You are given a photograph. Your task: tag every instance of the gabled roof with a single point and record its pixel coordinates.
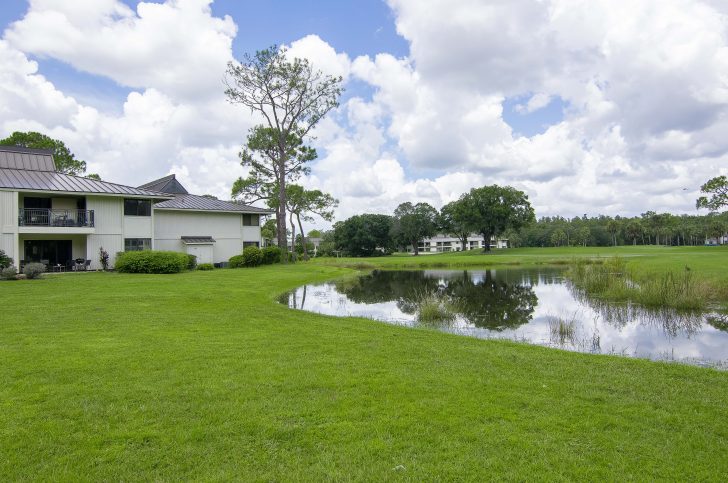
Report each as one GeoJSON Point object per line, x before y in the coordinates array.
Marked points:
{"type": "Point", "coordinates": [16, 157]}
{"type": "Point", "coordinates": [203, 203]}
{"type": "Point", "coordinates": [168, 184]}
{"type": "Point", "coordinates": [21, 179]}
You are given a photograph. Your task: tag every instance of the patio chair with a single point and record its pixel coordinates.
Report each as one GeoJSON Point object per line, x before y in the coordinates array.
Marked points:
{"type": "Point", "coordinates": [87, 265]}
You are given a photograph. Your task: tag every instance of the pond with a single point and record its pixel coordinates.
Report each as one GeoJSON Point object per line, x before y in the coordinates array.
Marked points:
{"type": "Point", "coordinates": [537, 306]}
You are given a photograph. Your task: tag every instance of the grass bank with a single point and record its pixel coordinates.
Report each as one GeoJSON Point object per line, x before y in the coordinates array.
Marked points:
{"type": "Point", "coordinates": [202, 375]}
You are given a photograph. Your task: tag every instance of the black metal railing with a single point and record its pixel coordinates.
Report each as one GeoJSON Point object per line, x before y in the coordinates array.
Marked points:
{"type": "Point", "coordinates": [61, 218]}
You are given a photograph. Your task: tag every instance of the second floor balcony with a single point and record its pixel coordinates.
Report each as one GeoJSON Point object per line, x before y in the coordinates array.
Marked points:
{"type": "Point", "coordinates": [43, 217]}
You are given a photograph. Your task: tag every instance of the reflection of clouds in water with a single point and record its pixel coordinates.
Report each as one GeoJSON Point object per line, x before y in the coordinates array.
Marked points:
{"type": "Point", "coordinates": [521, 305]}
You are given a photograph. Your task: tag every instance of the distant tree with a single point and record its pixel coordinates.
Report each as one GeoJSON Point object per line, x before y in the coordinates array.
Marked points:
{"type": "Point", "coordinates": [363, 235]}
{"type": "Point", "coordinates": [292, 98]}
{"type": "Point", "coordinates": [613, 227]}
{"type": "Point", "coordinates": [315, 233]}
{"type": "Point", "coordinates": [582, 236]}
{"type": "Point", "coordinates": [413, 223]}
{"type": "Point", "coordinates": [65, 160]}
{"type": "Point", "coordinates": [718, 189]}
{"type": "Point", "coordinates": [491, 210]}
{"type": "Point", "coordinates": [268, 230]}
{"type": "Point", "coordinates": [558, 238]}
{"type": "Point", "coordinates": [302, 203]}
{"type": "Point", "coordinates": [211, 197]}
{"type": "Point", "coordinates": [454, 221]}
{"type": "Point", "coordinates": [633, 230]}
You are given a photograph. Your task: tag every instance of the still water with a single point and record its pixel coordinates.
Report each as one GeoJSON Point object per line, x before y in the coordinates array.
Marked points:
{"type": "Point", "coordinates": [538, 306]}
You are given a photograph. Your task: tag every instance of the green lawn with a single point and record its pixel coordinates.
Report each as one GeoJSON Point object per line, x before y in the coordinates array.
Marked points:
{"type": "Point", "coordinates": [203, 376]}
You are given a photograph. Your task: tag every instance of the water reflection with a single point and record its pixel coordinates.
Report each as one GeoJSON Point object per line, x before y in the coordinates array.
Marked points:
{"type": "Point", "coordinates": [537, 306]}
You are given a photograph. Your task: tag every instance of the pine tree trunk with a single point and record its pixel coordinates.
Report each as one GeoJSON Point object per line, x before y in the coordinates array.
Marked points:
{"type": "Point", "coordinates": [303, 238]}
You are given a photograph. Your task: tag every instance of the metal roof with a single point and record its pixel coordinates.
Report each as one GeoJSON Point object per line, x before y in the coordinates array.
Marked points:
{"type": "Point", "coordinates": [168, 184]}
{"type": "Point", "coordinates": [203, 203]}
{"type": "Point", "coordinates": [16, 157]}
{"type": "Point", "coordinates": [21, 179]}
{"type": "Point", "coordinates": [197, 240]}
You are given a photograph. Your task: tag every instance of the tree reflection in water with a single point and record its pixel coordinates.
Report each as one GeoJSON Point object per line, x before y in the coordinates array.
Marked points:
{"type": "Point", "coordinates": [482, 299]}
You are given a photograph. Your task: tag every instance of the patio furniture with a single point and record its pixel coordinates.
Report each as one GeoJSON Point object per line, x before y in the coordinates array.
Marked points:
{"type": "Point", "coordinates": [59, 267]}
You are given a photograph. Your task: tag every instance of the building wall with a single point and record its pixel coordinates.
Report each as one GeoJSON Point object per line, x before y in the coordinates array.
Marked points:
{"type": "Point", "coordinates": [446, 243]}
{"type": "Point", "coordinates": [109, 228]}
{"type": "Point", "coordinates": [138, 227]}
{"type": "Point", "coordinates": [226, 228]}
{"type": "Point", "coordinates": [9, 224]}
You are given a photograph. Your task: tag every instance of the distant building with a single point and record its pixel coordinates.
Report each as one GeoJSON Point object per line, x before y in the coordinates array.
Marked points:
{"type": "Point", "coordinates": [447, 243]}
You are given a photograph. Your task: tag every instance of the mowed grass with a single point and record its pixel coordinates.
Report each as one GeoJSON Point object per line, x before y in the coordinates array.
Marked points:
{"type": "Point", "coordinates": [202, 375]}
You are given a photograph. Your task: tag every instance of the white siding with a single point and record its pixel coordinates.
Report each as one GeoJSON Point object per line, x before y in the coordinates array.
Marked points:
{"type": "Point", "coordinates": [9, 224]}
{"type": "Point", "coordinates": [109, 231]}
{"type": "Point", "coordinates": [226, 228]}
{"type": "Point", "coordinates": [138, 227]}
{"type": "Point", "coordinates": [251, 233]}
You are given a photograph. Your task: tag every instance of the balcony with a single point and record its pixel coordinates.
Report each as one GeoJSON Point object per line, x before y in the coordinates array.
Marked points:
{"type": "Point", "coordinates": [43, 217]}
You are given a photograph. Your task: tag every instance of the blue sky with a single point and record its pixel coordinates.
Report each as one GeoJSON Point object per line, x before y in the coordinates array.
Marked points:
{"type": "Point", "coordinates": [583, 110]}
{"type": "Point", "coordinates": [357, 27]}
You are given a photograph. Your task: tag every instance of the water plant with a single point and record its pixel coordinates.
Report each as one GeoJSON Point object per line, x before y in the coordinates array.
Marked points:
{"type": "Point", "coordinates": [562, 330]}
{"type": "Point", "coordinates": [433, 308]}
{"type": "Point", "coordinates": [613, 280]}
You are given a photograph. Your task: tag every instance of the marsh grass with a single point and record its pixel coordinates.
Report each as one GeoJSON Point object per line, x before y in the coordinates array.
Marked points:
{"type": "Point", "coordinates": [434, 309]}
{"type": "Point", "coordinates": [562, 330]}
{"type": "Point", "coordinates": [612, 279]}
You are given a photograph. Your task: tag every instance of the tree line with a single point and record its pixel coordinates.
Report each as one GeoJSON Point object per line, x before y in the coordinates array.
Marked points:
{"type": "Point", "coordinates": [490, 211]}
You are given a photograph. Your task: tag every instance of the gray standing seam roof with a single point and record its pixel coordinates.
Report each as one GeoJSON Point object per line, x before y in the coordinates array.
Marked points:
{"type": "Point", "coordinates": [202, 203]}
{"type": "Point", "coordinates": [168, 184]}
{"type": "Point", "coordinates": [15, 157]}
{"type": "Point", "coordinates": [22, 179]}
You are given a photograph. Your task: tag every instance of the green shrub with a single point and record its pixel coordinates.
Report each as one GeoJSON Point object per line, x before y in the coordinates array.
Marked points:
{"type": "Point", "coordinates": [191, 262]}
{"type": "Point", "coordinates": [252, 256]}
{"type": "Point", "coordinates": [205, 266]}
{"type": "Point", "coordinates": [34, 270]}
{"type": "Point", "coordinates": [271, 255]}
{"type": "Point", "coordinates": [5, 261]}
{"type": "Point", "coordinates": [236, 261]}
{"type": "Point", "coordinates": [152, 261]}
{"type": "Point", "coordinates": [8, 273]}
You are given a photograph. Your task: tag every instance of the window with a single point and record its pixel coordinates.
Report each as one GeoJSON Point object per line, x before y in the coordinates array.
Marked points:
{"type": "Point", "coordinates": [251, 220]}
{"type": "Point", "coordinates": [137, 244]}
{"type": "Point", "coordinates": [133, 207]}
{"type": "Point", "coordinates": [251, 244]}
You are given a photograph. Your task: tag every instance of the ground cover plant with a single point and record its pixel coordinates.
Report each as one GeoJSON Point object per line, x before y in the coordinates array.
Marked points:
{"type": "Point", "coordinates": [202, 375]}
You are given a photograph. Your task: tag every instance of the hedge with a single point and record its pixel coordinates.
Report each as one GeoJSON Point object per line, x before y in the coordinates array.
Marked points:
{"type": "Point", "coordinates": [151, 261]}
{"type": "Point", "coordinates": [271, 255]}
{"type": "Point", "coordinates": [252, 257]}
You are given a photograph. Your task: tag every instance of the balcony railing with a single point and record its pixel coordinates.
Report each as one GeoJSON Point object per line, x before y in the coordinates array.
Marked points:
{"type": "Point", "coordinates": [60, 218]}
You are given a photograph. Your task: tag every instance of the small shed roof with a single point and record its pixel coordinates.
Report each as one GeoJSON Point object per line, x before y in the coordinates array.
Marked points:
{"type": "Point", "coordinates": [198, 240]}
